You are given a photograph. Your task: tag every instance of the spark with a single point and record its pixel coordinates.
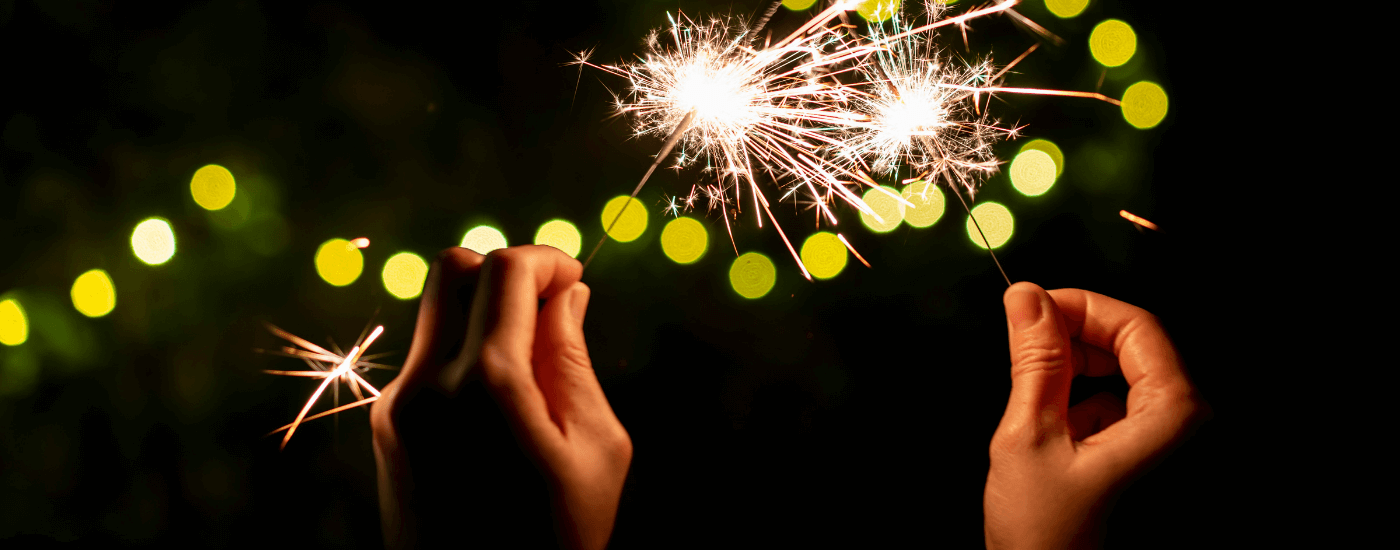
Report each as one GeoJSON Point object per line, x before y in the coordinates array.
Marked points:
{"type": "Point", "coordinates": [361, 242]}
{"type": "Point", "coordinates": [329, 366]}
{"type": "Point", "coordinates": [1139, 220]}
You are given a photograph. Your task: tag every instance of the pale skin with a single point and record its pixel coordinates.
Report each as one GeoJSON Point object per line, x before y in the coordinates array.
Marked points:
{"type": "Point", "coordinates": [1054, 468]}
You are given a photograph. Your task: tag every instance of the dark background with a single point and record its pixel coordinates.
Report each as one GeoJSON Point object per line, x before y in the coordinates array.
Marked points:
{"type": "Point", "coordinates": [856, 410]}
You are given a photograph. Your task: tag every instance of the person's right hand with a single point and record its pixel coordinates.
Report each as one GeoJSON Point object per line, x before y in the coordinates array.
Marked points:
{"type": "Point", "coordinates": [1055, 468]}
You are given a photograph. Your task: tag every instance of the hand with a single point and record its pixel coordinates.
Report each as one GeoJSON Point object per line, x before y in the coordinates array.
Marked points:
{"type": "Point", "coordinates": [497, 422]}
{"type": "Point", "coordinates": [1056, 468]}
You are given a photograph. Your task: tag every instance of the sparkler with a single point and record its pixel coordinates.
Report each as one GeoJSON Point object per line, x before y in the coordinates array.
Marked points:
{"type": "Point", "coordinates": [329, 366]}
{"type": "Point", "coordinates": [791, 110]}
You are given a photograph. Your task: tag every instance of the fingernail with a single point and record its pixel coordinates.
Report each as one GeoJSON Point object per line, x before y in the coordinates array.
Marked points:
{"type": "Point", "coordinates": [1023, 308]}
{"type": "Point", "coordinates": [578, 302]}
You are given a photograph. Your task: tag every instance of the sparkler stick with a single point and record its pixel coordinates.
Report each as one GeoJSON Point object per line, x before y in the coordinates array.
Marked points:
{"type": "Point", "coordinates": [665, 150]}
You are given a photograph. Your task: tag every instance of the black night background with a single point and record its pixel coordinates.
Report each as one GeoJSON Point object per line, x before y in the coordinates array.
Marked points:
{"type": "Point", "coordinates": [849, 412]}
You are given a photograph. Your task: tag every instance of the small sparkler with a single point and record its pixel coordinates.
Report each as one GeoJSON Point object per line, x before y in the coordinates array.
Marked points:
{"type": "Point", "coordinates": [329, 366]}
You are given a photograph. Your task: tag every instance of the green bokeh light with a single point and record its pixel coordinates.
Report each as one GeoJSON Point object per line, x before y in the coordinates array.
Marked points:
{"type": "Point", "coordinates": [338, 262]}
{"type": "Point", "coordinates": [1144, 105]}
{"type": "Point", "coordinates": [560, 234]}
{"type": "Point", "coordinates": [824, 255]}
{"type": "Point", "coordinates": [885, 204]}
{"type": "Point", "coordinates": [996, 222]}
{"type": "Point", "coordinates": [752, 275]}
{"type": "Point", "coordinates": [153, 241]}
{"type": "Point", "coordinates": [93, 293]}
{"type": "Point", "coordinates": [404, 274]}
{"type": "Point", "coordinates": [684, 240]}
{"type": "Point", "coordinates": [1112, 43]}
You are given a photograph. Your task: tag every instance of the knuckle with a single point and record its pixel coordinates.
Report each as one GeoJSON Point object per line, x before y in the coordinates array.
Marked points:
{"type": "Point", "coordinates": [496, 364]}
{"type": "Point", "coordinates": [1041, 356]}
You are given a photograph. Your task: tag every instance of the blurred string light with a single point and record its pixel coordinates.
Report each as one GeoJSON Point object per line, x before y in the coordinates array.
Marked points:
{"type": "Point", "coordinates": [927, 199]}
{"type": "Point", "coordinates": [338, 262]}
{"type": "Point", "coordinates": [876, 11]}
{"type": "Point", "coordinates": [1144, 105]}
{"type": "Point", "coordinates": [153, 241]}
{"type": "Point", "coordinates": [404, 274]}
{"type": "Point", "coordinates": [93, 293]}
{"type": "Point", "coordinates": [560, 234]}
{"type": "Point", "coordinates": [482, 239]}
{"type": "Point", "coordinates": [1112, 43]}
{"type": "Point", "coordinates": [1032, 172]}
{"type": "Point", "coordinates": [1049, 148]}
{"type": "Point", "coordinates": [996, 222]}
{"type": "Point", "coordinates": [684, 240]}
{"type": "Point", "coordinates": [212, 187]}
{"type": "Point", "coordinates": [883, 204]}
{"type": "Point", "coordinates": [1065, 9]}
{"type": "Point", "coordinates": [630, 225]}
{"type": "Point", "coordinates": [824, 255]}
{"type": "Point", "coordinates": [798, 5]}
{"type": "Point", "coordinates": [14, 325]}
{"type": "Point", "coordinates": [752, 275]}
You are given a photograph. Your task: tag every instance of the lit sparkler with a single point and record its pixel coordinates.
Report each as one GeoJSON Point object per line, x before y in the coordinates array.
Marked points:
{"type": "Point", "coordinates": [329, 366]}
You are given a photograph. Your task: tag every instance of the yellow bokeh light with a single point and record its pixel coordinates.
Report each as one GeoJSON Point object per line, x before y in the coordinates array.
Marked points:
{"type": "Point", "coordinates": [14, 326]}
{"type": "Point", "coordinates": [632, 223]}
{"type": "Point", "coordinates": [824, 255]}
{"type": "Point", "coordinates": [752, 275]}
{"type": "Point", "coordinates": [1066, 9]}
{"type": "Point", "coordinates": [684, 240]}
{"type": "Point", "coordinates": [798, 5]}
{"type": "Point", "coordinates": [93, 293]}
{"type": "Point", "coordinates": [212, 187]}
{"type": "Point", "coordinates": [996, 222]}
{"type": "Point", "coordinates": [153, 241]}
{"type": "Point", "coordinates": [560, 234]}
{"type": "Point", "coordinates": [1049, 148]}
{"type": "Point", "coordinates": [1033, 172]}
{"type": "Point", "coordinates": [482, 239]}
{"type": "Point", "coordinates": [885, 204]}
{"type": "Point", "coordinates": [875, 11]}
{"type": "Point", "coordinates": [1144, 105]}
{"type": "Point", "coordinates": [404, 274]}
{"type": "Point", "coordinates": [928, 203]}
{"type": "Point", "coordinates": [339, 262]}
{"type": "Point", "coordinates": [1112, 43]}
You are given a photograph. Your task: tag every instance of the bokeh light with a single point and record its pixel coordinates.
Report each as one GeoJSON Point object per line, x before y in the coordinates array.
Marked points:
{"type": "Point", "coordinates": [927, 199]}
{"type": "Point", "coordinates": [752, 275]}
{"type": "Point", "coordinates": [889, 208]}
{"type": "Point", "coordinates": [482, 239]}
{"type": "Point", "coordinates": [996, 222]}
{"type": "Point", "coordinates": [338, 262]}
{"type": "Point", "coordinates": [93, 293]}
{"type": "Point", "coordinates": [404, 274]}
{"type": "Point", "coordinates": [824, 255]}
{"type": "Point", "coordinates": [1066, 9]}
{"type": "Point", "coordinates": [14, 326]}
{"type": "Point", "coordinates": [1112, 43]}
{"type": "Point", "coordinates": [798, 5]}
{"type": "Point", "coordinates": [875, 11]}
{"type": "Point", "coordinates": [684, 240]}
{"type": "Point", "coordinates": [153, 241]}
{"type": "Point", "coordinates": [212, 187]}
{"type": "Point", "coordinates": [1144, 105]}
{"type": "Point", "coordinates": [560, 234]}
{"type": "Point", "coordinates": [1049, 148]}
{"type": "Point", "coordinates": [1032, 172]}
{"type": "Point", "coordinates": [632, 223]}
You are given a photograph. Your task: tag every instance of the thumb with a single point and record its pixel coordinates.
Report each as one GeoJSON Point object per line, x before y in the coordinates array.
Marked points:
{"type": "Point", "coordinates": [562, 366]}
{"type": "Point", "coordinates": [1041, 368]}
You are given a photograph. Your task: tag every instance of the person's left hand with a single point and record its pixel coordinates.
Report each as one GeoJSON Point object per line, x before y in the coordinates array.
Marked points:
{"type": "Point", "coordinates": [532, 364]}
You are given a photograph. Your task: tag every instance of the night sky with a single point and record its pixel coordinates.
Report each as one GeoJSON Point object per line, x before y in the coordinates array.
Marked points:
{"type": "Point", "coordinates": [852, 411]}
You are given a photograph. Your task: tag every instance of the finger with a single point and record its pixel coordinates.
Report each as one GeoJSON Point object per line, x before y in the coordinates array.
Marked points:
{"type": "Point", "coordinates": [501, 330]}
{"type": "Point", "coordinates": [442, 312]}
{"type": "Point", "coordinates": [1162, 403]}
{"type": "Point", "coordinates": [563, 369]}
{"type": "Point", "coordinates": [1041, 364]}
{"type": "Point", "coordinates": [1094, 415]}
